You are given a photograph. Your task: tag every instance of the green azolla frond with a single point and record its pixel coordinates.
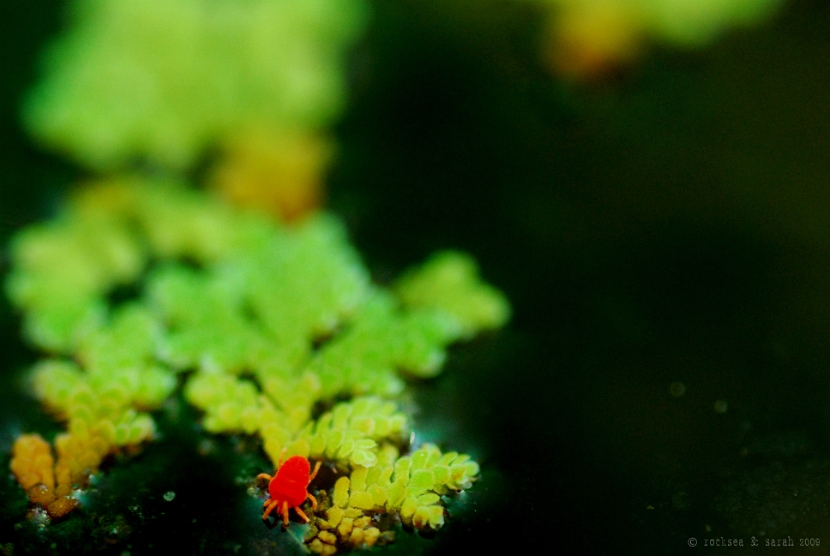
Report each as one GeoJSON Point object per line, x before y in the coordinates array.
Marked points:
{"type": "Point", "coordinates": [120, 358]}
{"type": "Point", "coordinates": [71, 256]}
{"type": "Point", "coordinates": [419, 341]}
{"type": "Point", "coordinates": [64, 386]}
{"type": "Point", "coordinates": [412, 487]}
{"type": "Point", "coordinates": [264, 304]}
{"type": "Point", "coordinates": [350, 432]}
{"type": "Point", "coordinates": [380, 340]}
{"type": "Point", "coordinates": [180, 222]}
{"type": "Point", "coordinates": [231, 404]}
{"type": "Point", "coordinates": [449, 282]}
{"type": "Point", "coordinates": [184, 295]}
{"type": "Point", "coordinates": [61, 267]}
{"type": "Point", "coordinates": [205, 324]}
{"type": "Point", "coordinates": [127, 340]}
{"type": "Point", "coordinates": [59, 326]}
{"type": "Point", "coordinates": [55, 381]}
{"type": "Point", "coordinates": [266, 294]}
{"type": "Point", "coordinates": [277, 432]}
{"type": "Point", "coordinates": [305, 281]}
{"type": "Point", "coordinates": [95, 408]}
{"type": "Point", "coordinates": [415, 484]}
{"type": "Point", "coordinates": [294, 395]}
{"type": "Point", "coordinates": [127, 427]}
{"type": "Point", "coordinates": [164, 79]}
{"type": "Point", "coordinates": [283, 287]}
{"type": "Point", "coordinates": [144, 385]}
{"type": "Point", "coordinates": [428, 470]}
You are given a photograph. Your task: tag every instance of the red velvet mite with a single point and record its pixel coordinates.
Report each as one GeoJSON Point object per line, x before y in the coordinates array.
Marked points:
{"type": "Point", "coordinates": [287, 488]}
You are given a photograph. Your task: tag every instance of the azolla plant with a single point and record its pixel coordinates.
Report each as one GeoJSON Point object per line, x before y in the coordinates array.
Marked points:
{"type": "Point", "coordinates": [589, 37]}
{"type": "Point", "coordinates": [257, 83]}
{"type": "Point", "coordinates": [263, 324]}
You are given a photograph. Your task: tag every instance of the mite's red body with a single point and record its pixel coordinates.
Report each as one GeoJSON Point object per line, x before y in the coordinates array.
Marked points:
{"type": "Point", "coordinates": [287, 488]}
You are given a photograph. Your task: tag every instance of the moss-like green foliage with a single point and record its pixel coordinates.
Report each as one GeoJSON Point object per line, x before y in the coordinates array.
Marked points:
{"type": "Point", "coordinates": [266, 323]}
{"type": "Point", "coordinates": [407, 484]}
{"type": "Point", "coordinates": [99, 405]}
{"type": "Point", "coordinates": [351, 431]}
{"type": "Point", "coordinates": [300, 285]}
{"type": "Point", "coordinates": [381, 339]}
{"type": "Point", "coordinates": [61, 267]}
{"type": "Point", "coordinates": [163, 79]}
{"type": "Point", "coordinates": [205, 328]}
{"type": "Point", "coordinates": [449, 282]}
{"type": "Point", "coordinates": [64, 268]}
{"type": "Point", "coordinates": [410, 487]}
{"type": "Point", "coordinates": [676, 21]}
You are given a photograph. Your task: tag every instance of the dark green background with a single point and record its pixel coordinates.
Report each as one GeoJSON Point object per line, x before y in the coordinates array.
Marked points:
{"type": "Point", "coordinates": [669, 224]}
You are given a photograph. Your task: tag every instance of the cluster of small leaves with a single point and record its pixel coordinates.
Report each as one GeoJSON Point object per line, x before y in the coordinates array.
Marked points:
{"type": "Point", "coordinates": [351, 432]}
{"type": "Point", "coordinates": [448, 282]}
{"type": "Point", "coordinates": [99, 410]}
{"type": "Point", "coordinates": [263, 299]}
{"type": "Point", "coordinates": [163, 79]}
{"type": "Point", "coordinates": [33, 466]}
{"type": "Point", "coordinates": [100, 400]}
{"type": "Point", "coordinates": [63, 271]}
{"type": "Point", "coordinates": [204, 328]}
{"type": "Point", "coordinates": [350, 528]}
{"type": "Point", "coordinates": [278, 172]}
{"type": "Point", "coordinates": [409, 487]}
{"type": "Point", "coordinates": [381, 340]}
{"type": "Point", "coordinates": [263, 305]}
{"type": "Point", "coordinates": [61, 268]}
{"type": "Point", "coordinates": [267, 320]}
{"type": "Point", "coordinates": [103, 404]}
{"type": "Point", "coordinates": [64, 268]}
{"type": "Point", "coordinates": [676, 21]}
{"type": "Point", "coordinates": [413, 485]}
{"type": "Point", "coordinates": [230, 404]}
{"type": "Point", "coordinates": [32, 462]}
{"type": "Point", "coordinates": [300, 285]}
{"type": "Point", "coordinates": [587, 38]}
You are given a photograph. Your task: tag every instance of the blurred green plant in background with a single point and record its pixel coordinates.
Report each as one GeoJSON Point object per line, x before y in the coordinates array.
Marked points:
{"type": "Point", "coordinates": [163, 82]}
{"type": "Point", "coordinates": [587, 37]}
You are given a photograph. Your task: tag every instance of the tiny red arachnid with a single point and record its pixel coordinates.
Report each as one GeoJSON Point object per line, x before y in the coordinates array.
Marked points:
{"type": "Point", "coordinates": [287, 488]}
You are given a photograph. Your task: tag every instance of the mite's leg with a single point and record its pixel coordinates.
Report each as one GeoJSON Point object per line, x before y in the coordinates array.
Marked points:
{"type": "Point", "coordinates": [313, 501]}
{"type": "Point", "coordinates": [271, 504]}
{"type": "Point", "coordinates": [302, 513]}
{"type": "Point", "coordinates": [314, 474]}
{"type": "Point", "coordinates": [285, 512]}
